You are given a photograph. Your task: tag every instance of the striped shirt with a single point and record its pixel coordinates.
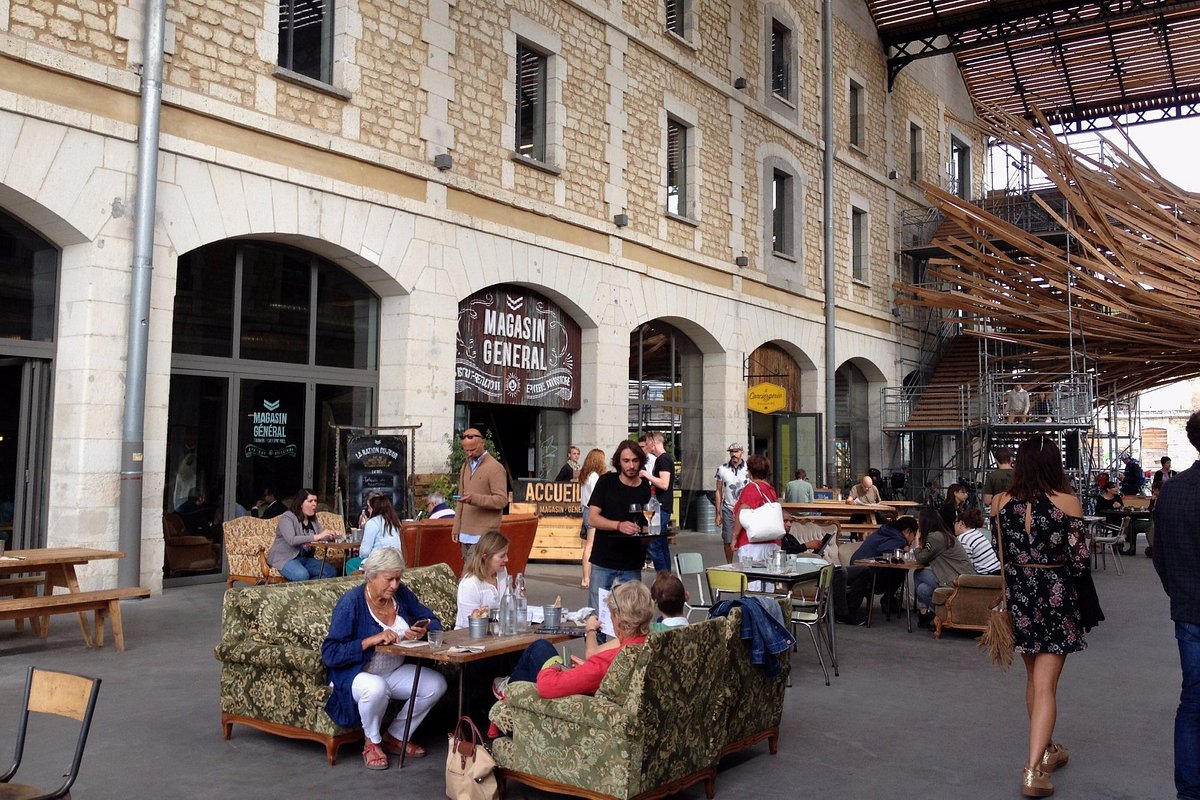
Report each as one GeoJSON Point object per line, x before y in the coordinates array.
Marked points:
{"type": "Point", "coordinates": [978, 545]}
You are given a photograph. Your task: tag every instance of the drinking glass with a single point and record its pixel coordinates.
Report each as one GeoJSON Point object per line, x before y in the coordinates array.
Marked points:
{"type": "Point", "coordinates": [435, 638]}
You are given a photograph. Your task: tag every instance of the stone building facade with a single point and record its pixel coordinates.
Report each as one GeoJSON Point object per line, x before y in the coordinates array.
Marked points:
{"type": "Point", "coordinates": [652, 169]}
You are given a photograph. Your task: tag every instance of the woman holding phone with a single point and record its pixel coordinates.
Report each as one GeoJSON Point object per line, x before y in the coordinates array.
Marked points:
{"type": "Point", "coordinates": [382, 610]}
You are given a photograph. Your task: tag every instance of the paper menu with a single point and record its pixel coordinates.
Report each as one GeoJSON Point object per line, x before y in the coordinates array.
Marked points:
{"type": "Point", "coordinates": [606, 624]}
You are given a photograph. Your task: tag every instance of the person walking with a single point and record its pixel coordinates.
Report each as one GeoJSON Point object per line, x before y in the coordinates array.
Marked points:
{"type": "Point", "coordinates": [1042, 537]}
{"type": "Point", "coordinates": [731, 479]}
{"type": "Point", "coordinates": [1176, 557]}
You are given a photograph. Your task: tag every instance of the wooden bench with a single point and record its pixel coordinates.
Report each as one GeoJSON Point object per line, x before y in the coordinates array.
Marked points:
{"type": "Point", "coordinates": [22, 588]}
{"type": "Point", "coordinates": [105, 602]}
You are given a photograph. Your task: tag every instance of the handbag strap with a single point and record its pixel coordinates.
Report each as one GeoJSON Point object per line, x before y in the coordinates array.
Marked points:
{"type": "Point", "coordinates": [472, 734]}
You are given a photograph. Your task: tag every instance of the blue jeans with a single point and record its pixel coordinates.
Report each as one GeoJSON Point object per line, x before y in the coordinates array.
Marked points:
{"type": "Point", "coordinates": [604, 578]}
{"type": "Point", "coordinates": [530, 665]}
{"type": "Point", "coordinates": [1187, 718]}
{"type": "Point", "coordinates": [658, 549]}
{"type": "Point", "coordinates": [303, 568]}
{"type": "Point", "coordinates": [925, 583]}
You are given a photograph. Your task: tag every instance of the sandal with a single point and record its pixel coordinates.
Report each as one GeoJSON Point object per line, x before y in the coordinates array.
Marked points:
{"type": "Point", "coordinates": [373, 756]}
{"type": "Point", "coordinates": [394, 746]}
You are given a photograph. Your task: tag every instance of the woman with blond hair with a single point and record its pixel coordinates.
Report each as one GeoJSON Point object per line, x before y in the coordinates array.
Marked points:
{"type": "Point", "coordinates": [594, 466]}
{"type": "Point", "coordinates": [485, 574]}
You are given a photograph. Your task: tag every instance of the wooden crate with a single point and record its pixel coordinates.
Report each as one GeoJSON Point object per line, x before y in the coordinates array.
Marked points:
{"type": "Point", "coordinates": [557, 536]}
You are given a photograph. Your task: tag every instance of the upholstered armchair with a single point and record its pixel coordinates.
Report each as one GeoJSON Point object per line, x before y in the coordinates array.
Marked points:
{"type": "Point", "coordinates": [186, 552]}
{"type": "Point", "coordinates": [247, 540]}
{"type": "Point", "coordinates": [754, 702]}
{"type": "Point", "coordinates": [656, 725]}
{"type": "Point", "coordinates": [965, 603]}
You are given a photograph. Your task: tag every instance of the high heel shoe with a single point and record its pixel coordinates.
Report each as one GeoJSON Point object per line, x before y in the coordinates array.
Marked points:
{"type": "Point", "coordinates": [1055, 756]}
{"type": "Point", "coordinates": [1034, 783]}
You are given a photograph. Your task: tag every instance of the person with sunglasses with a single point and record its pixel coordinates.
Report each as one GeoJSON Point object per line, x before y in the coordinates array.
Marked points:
{"type": "Point", "coordinates": [483, 490]}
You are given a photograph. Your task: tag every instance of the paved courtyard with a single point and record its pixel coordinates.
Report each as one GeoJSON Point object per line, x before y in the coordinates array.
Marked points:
{"type": "Point", "coordinates": [910, 717]}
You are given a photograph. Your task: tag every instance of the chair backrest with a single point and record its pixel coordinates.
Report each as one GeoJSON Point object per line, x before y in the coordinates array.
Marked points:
{"type": "Point", "coordinates": [693, 564]}
{"type": "Point", "coordinates": [824, 591]}
{"type": "Point", "coordinates": [331, 521]}
{"type": "Point", "coordinates": [245, 539]}
{"type": "Point", "coordinates": [62, 694]}
{"type": "Point", "coordinates": [173, 525]}
{"type": "Point", "coordinates": [725, 580]}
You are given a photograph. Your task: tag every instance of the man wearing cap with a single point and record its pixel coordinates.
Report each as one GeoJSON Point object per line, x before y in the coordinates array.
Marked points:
{"type": "Point", "coordinates": [731, 479]}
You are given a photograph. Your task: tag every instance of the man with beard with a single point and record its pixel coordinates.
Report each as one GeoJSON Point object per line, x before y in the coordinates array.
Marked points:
{"type": "Point", "coordinates": [615, 512]}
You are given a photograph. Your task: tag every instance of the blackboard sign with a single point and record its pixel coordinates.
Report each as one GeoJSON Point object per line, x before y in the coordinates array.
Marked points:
{"type": "Point", "coordinates": [376, 464]}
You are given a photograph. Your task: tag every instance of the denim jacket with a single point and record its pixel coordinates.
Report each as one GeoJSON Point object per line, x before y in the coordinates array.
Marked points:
{"type": "Point", "coordinates": [762, 627]}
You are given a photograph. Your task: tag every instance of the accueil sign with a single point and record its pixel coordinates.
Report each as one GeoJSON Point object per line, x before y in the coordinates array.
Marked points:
{"type": "Point", "coordinates": [517, 347]}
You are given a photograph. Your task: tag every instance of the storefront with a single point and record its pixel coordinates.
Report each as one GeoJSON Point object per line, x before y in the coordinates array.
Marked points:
{"type": "Point", "coordinates": [788, 437]}
{"type": "Point", "coordinates": [28, 298]}
{"type": "Point", "coordinates": [516, 376]}
{"type": "Point", "coordinates": [271, 347]}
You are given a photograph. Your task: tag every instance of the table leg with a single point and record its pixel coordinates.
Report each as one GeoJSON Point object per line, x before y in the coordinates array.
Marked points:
{"type": "Point", "coordinates": [64, 575]}
{"type": "Point", "coordinates": [462, 669]}
{"type": "Point", "coordinates": [910, 589]}
{"type": "Point", "coordinates": [408, 716]}
{"type": "Point", "coordinates": [871, 596]}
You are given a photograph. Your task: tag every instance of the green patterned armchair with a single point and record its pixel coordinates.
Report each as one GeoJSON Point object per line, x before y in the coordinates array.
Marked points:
{"type": "Point", "coordinates": [655, 726]}
{"type": "Point", "coordinates": [754, 707]}
{"type": "Point", "coordinates": [272, 676]}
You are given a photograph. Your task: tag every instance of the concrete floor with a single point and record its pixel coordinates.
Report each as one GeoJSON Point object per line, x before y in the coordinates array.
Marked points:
{"type": "Point", "coordinates": [910, 717]}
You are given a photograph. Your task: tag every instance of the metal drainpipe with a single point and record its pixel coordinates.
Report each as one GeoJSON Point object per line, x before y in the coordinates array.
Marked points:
{"type": "Point", "coordinates": [130, 532]}
{"type": "Point", "coordinates": [830, 272]}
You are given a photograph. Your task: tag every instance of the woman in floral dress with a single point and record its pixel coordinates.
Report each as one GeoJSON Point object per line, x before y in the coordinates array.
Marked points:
{"type": "Point", "coordinates": [1042, 536]}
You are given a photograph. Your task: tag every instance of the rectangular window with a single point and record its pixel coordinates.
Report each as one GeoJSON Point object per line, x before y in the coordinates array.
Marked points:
{"type": "Point", "coordinates": [306, 38]}
{"type": "Point", "coordinates": [781, 62]}
{"type": "Point", "coordinates": [916, 147]}
{"type": "Point", "coordinates": [677, 145]}
{"type": "Point", "coordinates": [856, 114]}
{"type": "Point", "coordinates": [531, 103]}
{"type": "Point", "coordinates": [676, 9]}
{"type": "Point", "coordinates": [960, 168]}
{"type": "Point", "coordinates": [858, 244]}
{"type": "Point", "coordinates": [781, 212]}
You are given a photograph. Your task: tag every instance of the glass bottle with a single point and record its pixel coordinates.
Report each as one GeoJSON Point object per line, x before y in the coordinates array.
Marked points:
{"type": "Point", "coordinates": [522, 602]}
{"type": "Point", "coordinates": [508, 611]}
{"type": "Point", "coordinates": [653, 518]}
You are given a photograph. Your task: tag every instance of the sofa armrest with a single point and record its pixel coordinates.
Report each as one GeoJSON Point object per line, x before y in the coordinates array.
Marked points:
{"type": "Point", "coordinates": [577, 710]}
{"type": "Point", "coordinates": [979, 582]}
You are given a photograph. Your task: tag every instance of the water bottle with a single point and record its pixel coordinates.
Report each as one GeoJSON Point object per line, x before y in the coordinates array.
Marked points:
{"type": "Point", "coordinates": [522, 602]}
{"type": "Point", "coordinates": [508, 612]}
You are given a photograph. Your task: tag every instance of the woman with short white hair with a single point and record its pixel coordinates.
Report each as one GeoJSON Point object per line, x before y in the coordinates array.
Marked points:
{"type": "Point", "coordinates": [381, 610]}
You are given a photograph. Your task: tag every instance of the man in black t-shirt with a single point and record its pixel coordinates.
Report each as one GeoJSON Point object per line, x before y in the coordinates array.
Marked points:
{"type": "Point", "coordinates": [615, 511]}
{"type": "Point", "coordinates": [661, 474]}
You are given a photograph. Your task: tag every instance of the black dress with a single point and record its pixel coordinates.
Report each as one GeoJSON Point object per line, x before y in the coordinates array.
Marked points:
{"type": "Point", "coordinates": [1043, 604]}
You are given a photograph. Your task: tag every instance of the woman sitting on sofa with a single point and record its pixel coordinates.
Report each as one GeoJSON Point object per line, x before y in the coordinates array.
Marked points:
{"type": "Point", "coordinates": [297, 528]}
{"type": "Point", "coordinates": [484, 576]}
{"type": "Point", "coordinates": [382, 610]}
{"type": "Point", "coordinates": [945, 558]}
{"type": "Point", "coordinates": [631, 608]}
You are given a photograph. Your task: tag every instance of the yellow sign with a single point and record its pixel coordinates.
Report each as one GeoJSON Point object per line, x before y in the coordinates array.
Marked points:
{"type": "Point", "coordinates": [766, 398]}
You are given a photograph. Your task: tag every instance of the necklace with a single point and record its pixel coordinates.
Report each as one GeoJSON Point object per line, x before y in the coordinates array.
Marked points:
{"type": "Point", "coordinates": [382, 605]}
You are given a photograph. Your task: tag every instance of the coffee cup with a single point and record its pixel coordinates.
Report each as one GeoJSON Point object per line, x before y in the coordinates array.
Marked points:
{"type": "Point", "coordinates": [552, 616]}
{"type": "Point", "coordinates": [478, 627]}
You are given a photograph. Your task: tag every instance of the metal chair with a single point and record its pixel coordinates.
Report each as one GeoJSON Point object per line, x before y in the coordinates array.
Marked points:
{"type": "Point", "coordinates": [693, 564]}
{"type": "Point", "coordinates": [818, 618]}
{"type": "Point", "coordinates": [1112, 539]}
{"type": "Point", "coordinates": [722, 581]}
{"type": "Point", "coordinates": [62, 694]}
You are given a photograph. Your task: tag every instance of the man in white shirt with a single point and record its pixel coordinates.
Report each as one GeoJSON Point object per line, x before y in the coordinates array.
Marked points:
{"type": "Point", "coordinates": [732, 477]}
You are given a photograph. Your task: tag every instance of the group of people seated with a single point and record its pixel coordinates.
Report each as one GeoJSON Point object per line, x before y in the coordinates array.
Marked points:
{"type": "Point", "coordinates": [383, 611]}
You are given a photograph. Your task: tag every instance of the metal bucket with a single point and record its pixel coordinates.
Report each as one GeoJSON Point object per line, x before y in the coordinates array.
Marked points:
{"type": "Point", "coordinates": [704, 514]}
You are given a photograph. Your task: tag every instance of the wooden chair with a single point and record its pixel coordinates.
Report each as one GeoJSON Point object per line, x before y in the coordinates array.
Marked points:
{"type": "Point", "coordinates": [64, 695]}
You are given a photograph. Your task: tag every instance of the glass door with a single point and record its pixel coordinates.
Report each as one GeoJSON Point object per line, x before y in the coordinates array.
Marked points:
{"type": "Point", "coordinates": [25, 393]}
{"type": "Point", "coordinates": [194, 489]}
{"type": "Point", "coordinates": [271, 434]}
{"type": "Point", "coordinates": [798, 440]}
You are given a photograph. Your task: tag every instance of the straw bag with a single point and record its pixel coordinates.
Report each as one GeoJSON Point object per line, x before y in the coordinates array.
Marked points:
{"type": "Point", "coordinates": [470, 767]}
{"type": "Point", "coordinates": [762, 524]}
{"type": "Point", "coordinates": [997, 639]}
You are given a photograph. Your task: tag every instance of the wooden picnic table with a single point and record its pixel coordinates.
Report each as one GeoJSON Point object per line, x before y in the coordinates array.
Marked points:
{"type": "Point", "coordinates": [838, 508]}
{"type": "Point", "coordinates": [58, 565]}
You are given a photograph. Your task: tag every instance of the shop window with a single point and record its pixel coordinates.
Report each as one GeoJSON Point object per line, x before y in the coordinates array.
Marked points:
{"type": "Point", "coordinates": [531, 102]}
{"type": "Point", "coordinates": [204, 289]}
{"type": "Point", "coordinates": [306, 38]}
{"type": "Point", "coordinates": [29, 265]}
{"type": "Point", "coordinates": [276, 288]}
{"type": "Point", "coordinates": [347, 319]}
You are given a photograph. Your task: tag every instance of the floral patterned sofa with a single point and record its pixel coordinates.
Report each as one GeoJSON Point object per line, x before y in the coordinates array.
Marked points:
{"type": "Point", "coordinates": [272, 676]}
{"type": "Point", "coordinates": [665, 713]}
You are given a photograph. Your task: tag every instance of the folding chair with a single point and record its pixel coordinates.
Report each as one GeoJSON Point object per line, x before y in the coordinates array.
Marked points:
{"type": "Point", "coordinates": [62, 694]}
{"type": "Point", "coordinates": [692, 564]}
{"type": "Point", "coordinates": [723, 580]}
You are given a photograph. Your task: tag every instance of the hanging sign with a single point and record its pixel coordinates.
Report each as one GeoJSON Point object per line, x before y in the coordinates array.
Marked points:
{"type": "Point", "coordinates": [766, 398]}
{"type": "Point", "coordinates": [516, 347]}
